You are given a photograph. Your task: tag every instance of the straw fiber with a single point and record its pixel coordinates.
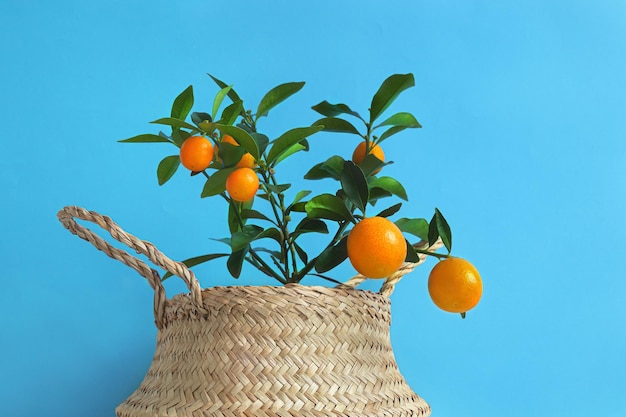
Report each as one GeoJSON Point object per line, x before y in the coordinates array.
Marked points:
{"type": "Point", "coordinates": [262, 351]}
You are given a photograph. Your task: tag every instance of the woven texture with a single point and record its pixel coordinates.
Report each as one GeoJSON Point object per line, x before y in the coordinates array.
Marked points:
{"type": "Point", "coordinates": [262, 351]}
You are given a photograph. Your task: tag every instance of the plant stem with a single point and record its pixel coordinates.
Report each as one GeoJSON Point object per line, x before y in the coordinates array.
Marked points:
{"type": "Point", "coordinates": [429, 253]}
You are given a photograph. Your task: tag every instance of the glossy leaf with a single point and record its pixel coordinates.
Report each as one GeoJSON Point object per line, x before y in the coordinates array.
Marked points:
{"type": "Point", "coordinates": [406, 120]}
{"type": "Point", "coordinates": [354, 184]}
{"type": "Point", "coordinates": [309, 225]}
{"type": "Point", "coordinates": [300, 195]}
{"type": "Point", "coordinates": [167, 168]}
{"type": "Point", "coordinates": [300, 146]}
{"type": "Point", "coordinates": [288, 139]}
{"type": "Point", "coordinates": [235, 219]}
{"type": "Point", "coordinates": [231, 112]}
{"type": "Point", "coordinates": [331, 110]}
{"type": "Point", "coordinates": [235, 262]}
{"type": "Point", "coordinates": [276, 96]}
{"type": "Point", "coordinates": [388, 92]}
{"type": "Point", "coordinates": [182, 104]}
{"type": "Point", "coordinates": [243, 238]}
{"type": "Point", "coordinates": [389, 184]}
{"type": "Point", "coordinates": [191, 262]}
{"type": "Point", "coordinates": [304, 257]}
{"type": "Point", "coordinates": [216, 183]}
{"type": "Point", "coordinates": [200, 117]}
{"type": "Point", "coordinates": [411, 254]}
{"type": "Point", "coordinates": [439, 227]}
{"type": "Point", "coordinates": [146, 138]}
{"type": "Point", "coordinates": [331, 168]}
{"type": "Point", "coordinates": [416, 227]}
{"type": "Point", "coordinates": [174, 123]}
{"type": "Point", "coordinates": [328, 206]}
{"type": "Point", "coordinates": [390, 211]}
{"type": "Point", "coordinates": [390, 132]}
{"type": "Point", "coordinates": [179, 136]}
{"type": "Point", "coordinates": [254, 214]}
{"type": "Point", "coordinates": [230, 154]}
{"type": "Point", "coordinates": [261, 140]}
{"type": "Point", "coordinates": [278, 188]}
{"type": "Point", "coordinates": [371, 164]}
{"type": "Point", "coordinates": [219, 98]}
{"type": "Point", "coordinates": [272, 233]}
{"type": "Point", "coordinates": [242, 137]}
{"type": "Point", "coordinates": [221, 84]}
{"type": "Point", "coordinates": [332, 256]}
{"type": "Point", "coordinates": [333, 124]}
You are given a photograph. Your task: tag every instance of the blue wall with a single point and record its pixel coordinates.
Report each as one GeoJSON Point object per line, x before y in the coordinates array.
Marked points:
{"type": "Point", "coordinates": [522, 148]}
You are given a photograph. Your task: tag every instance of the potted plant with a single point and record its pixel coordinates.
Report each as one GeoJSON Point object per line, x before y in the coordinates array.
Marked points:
{"type": "Point", "coordinates": [290, 349]}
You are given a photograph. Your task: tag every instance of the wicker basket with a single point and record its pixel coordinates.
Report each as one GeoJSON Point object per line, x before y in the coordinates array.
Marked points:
{"type": "Point", "coordinates": [262, 351]}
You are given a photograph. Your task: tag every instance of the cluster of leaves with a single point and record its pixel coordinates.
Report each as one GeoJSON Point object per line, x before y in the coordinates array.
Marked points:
{"type": "Point", "coordinates": [358, 186]}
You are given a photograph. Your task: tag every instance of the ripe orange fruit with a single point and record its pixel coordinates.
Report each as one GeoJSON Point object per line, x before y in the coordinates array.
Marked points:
{"type": "Point", "coordinates": [376, 247]}
{"type": "Point", "coordinates": [359, 154]}
{"type": "Point", "coordinates": [196, 153]}
{"type": "Point", "coordinates": [247, 160]}
{"type": "Point", "coordinates": [454, 285]}
{"type": "Point", "coordinates": [242, 184]}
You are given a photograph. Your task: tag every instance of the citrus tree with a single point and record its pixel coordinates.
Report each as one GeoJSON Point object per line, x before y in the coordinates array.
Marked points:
{"type": "Point", "coordinates": [266, 217]}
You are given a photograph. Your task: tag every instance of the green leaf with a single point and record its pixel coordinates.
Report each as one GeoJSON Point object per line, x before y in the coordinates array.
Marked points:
{"type": "Point", "coordinates": [231, 93]}
{"type": "Point", "coordinates": [146, 138]}
{"type": "Point", "coordinates": [309, 225]}
{"type": "Point", "coordinates": [278, 188]}
{"type": "Point", "coordinates": [254, 214]}
{"type": "Point", "coordinates": [304, 257]}
{"type": "Point", "coordinates": [219, 98]}
{"type": "Point", "coordinates": [378, 193]}
{"type": "Point", "coordinates": [331, 168]}
{"type": "Point", "coordinates": [390, 211]}
{"type": "Point", "coordinates": [276, 96]}
{"type": "Point", "coordinates": [174, 123]}
{"type": "Point", "coordinates": [331, 110]}
{"type": "Point", "coordinates": [332, 124]}
{"type": "Point", "coordinates": [328, 206]}
{"type": "Point", "coordinates": [388, 92]}
{"type": "Point", "coordinates": [411, 254]}
{"type": "Point", "coordinates": [261, 140]}
{"type": "Point", "coordinates": [231, 112]}
{"type": "Point", "coordinates": [389, 184]}
{"type": "Point", "coordinates": [191, 262]}
{"type": "Point", "coordinates": [371, 164]}
{"type": "Point", "coordinates": [272, 233]}
{"type": "Point", "coordinates": [167, 168]}
{"type": "Point", "coordinates": [243, 238]}
{"type": "Point", "coordinates": [300, 195]}
{"type": "Point", "coordinates": [406, 120]}
{"type": "Point", "coordinates": [230, 154]}
{"type": "Point", "coordinates": [354, 184]}
{"type": "Point", "coordinates": [439, 227]}
{"type": "Point", "coordinates": [235, 218]}
{"type": "Point", "coordinates": [300, 146]}
{"type": "Point", "coordinates": [179, 136]}
{"type": "Point", "coordinates": [332, 256]}
{"type": "Point", "coordinates": [288, 139]}
{"type": "Point", "coordinates": [200, 117]}
{"type": "Point", "coordinates": [390, 132]}
{"type": "Point", "coordinates": [182, 104]}
{"type": "Point", "coordinates": [416, 227]}
{"type": "Point", "coordinates": [299, 207]}
{"type": "Point", "coordinates": [216, 183]}
{"type": "Point", "coordinates": [235, 261]}
{"type": "Point", "coordinates": [242, 137]}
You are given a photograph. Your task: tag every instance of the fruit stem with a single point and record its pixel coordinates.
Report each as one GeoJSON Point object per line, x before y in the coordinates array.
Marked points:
{"type": "Point", "coordinates": [429, 253]}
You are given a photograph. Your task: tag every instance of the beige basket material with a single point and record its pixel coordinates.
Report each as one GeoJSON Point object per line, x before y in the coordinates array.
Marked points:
{"type": "Point", "coordinates": [276, 351]}
{"type": "Point", "coordinates": [263, 351]}
{"type": "Point", "coordinates": [68, 215]}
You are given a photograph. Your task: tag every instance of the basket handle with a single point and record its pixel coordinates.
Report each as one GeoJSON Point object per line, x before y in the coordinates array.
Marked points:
{"type": "Point", "coordinates": [67, 217]}
{"type": "Point", "coordinates": [407, 267]}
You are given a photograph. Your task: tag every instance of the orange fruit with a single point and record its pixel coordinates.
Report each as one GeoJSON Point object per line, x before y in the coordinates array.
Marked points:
{"type": "Point", "coordinates": [454, 285]}
{"type": "Point", "coordinates": [247, 160]}
{"type": "Point", "coordinates": [376, 247]}
{"type": "Point", "coordinates": [196, 153]}
{"type": "Point", "coordinates": [242, 184]}
{"type": "Point", "coordinates": [359, 154]}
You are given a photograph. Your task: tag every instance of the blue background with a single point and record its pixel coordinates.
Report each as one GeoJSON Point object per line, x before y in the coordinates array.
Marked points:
{"type": "Point", "coordinates": [522, 149]}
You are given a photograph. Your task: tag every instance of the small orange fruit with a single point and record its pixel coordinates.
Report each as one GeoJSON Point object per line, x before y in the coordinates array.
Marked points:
{"type": "Point", "coordinates": [196, 153]}
{"type": "Point", "coordinates": [247, 160]}
{"type": "Point", "coordinates": [242, 184]}
{"type": "Point", "coordinates": [455, 285]}
{"type": "Point", "coordinates": [359, 154]}
{"type": "Point", "coordinates": [376, 247]}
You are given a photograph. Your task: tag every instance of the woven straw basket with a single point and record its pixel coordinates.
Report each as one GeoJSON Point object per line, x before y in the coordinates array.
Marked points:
{"type": "Point", "coordinates": [262, 351]}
